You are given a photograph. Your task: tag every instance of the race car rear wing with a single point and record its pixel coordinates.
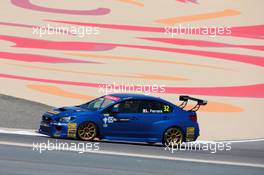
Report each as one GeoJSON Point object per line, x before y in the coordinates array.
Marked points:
{"type": "Point", "coordinates": [185, 99]}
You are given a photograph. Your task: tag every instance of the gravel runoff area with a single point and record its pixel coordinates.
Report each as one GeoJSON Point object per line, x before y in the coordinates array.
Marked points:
{"type": "Point", "coordinates": [20, 113]}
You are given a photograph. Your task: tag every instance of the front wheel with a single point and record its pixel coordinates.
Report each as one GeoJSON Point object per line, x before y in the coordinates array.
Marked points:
{"type": "Point", "coordinates": [87, 131]}
{"type": "Point", "coordinates": [173, 136]}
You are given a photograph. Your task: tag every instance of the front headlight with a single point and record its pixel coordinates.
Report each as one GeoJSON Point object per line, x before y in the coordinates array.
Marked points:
{"type": "Point", "coordinates": [67, 119]}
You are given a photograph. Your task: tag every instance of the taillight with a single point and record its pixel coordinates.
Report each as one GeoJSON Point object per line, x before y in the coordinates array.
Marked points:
{"type": "Point", "coordinates": [193, 117]}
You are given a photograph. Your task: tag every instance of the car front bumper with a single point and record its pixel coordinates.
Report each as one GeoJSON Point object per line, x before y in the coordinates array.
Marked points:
{"type": "Point", "coordinates": [58, 129]}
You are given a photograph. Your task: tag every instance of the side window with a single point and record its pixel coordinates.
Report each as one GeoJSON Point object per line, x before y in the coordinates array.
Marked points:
{"type": "Point", "coordinates": [128, 106]}
{"type": "Point", "coordinates": [154, 107]}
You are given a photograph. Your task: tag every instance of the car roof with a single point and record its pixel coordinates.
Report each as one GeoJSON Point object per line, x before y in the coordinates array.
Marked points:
{"type": "Point", "coordinates": [136, 96]}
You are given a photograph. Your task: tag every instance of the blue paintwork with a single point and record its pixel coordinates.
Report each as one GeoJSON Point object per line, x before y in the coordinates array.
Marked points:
{"type": "Point", "coordinates": [141, 127]}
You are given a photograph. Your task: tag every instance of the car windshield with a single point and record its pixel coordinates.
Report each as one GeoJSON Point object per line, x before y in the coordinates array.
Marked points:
{"type": "Point", "coordinates": [98, 103]}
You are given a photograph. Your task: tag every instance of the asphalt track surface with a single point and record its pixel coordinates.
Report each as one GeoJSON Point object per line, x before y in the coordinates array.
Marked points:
{"type": "Point", "coordinates": [17, 155]}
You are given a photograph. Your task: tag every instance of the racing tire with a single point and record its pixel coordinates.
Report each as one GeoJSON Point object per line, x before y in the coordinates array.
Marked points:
{"type": "Point", "coordinates": [172, 136]}
{"type": "Point", "coordinates": [87, 131]}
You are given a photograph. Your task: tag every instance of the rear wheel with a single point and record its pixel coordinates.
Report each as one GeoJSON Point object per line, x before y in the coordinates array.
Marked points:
{"type": "Point", "coordinates": [173, 136]}
{"type": "Point", "coordinates": [87, 131]}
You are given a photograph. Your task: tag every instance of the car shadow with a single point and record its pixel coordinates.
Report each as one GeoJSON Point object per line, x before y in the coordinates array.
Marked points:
{"type": "Point", "coordinates": [106, 141]}
{"type": "Point", "coordinates": [129, 143]}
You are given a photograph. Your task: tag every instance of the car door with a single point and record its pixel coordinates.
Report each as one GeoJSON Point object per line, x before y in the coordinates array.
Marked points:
{"type": "Point", "coordinates": [124, 121]}
{"type": "Point", "coordinates": [153, 115]}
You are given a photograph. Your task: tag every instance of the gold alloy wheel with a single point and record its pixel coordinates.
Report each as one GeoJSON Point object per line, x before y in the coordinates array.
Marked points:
{"type": "Point", "coordinates": [173, 136]}
{"type": "Point", "coordinates": [87, 131]}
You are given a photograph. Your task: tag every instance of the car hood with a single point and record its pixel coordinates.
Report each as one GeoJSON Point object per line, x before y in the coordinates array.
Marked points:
{"type": "Point", "coordinates": [68, 111]}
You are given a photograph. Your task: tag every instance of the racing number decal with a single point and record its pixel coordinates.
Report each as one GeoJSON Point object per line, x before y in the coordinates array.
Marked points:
{"type": "Point", "coordinates": [166, 108]}
{"type": "Point", "coordinates": [72, 127]}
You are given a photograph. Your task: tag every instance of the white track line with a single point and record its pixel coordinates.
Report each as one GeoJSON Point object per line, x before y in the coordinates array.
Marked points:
{"type": "Point", "coordinates": [20, 132]}
{"type": "Point", "coordinates": [242, 141]}
{"type": "Point", "coordinates": [34, 133]}
{"type": "Point", "coordinates": [228, 163]}
{"type": "Point", "coordinates": [31, 132]}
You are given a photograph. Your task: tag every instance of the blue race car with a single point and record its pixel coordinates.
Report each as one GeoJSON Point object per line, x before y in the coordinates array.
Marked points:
{"type": "Point", "coordinates": [128, 117]}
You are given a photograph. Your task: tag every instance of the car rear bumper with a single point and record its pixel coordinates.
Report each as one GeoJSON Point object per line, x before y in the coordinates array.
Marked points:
{"type": "Point", "coordinates": [192, 133]}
